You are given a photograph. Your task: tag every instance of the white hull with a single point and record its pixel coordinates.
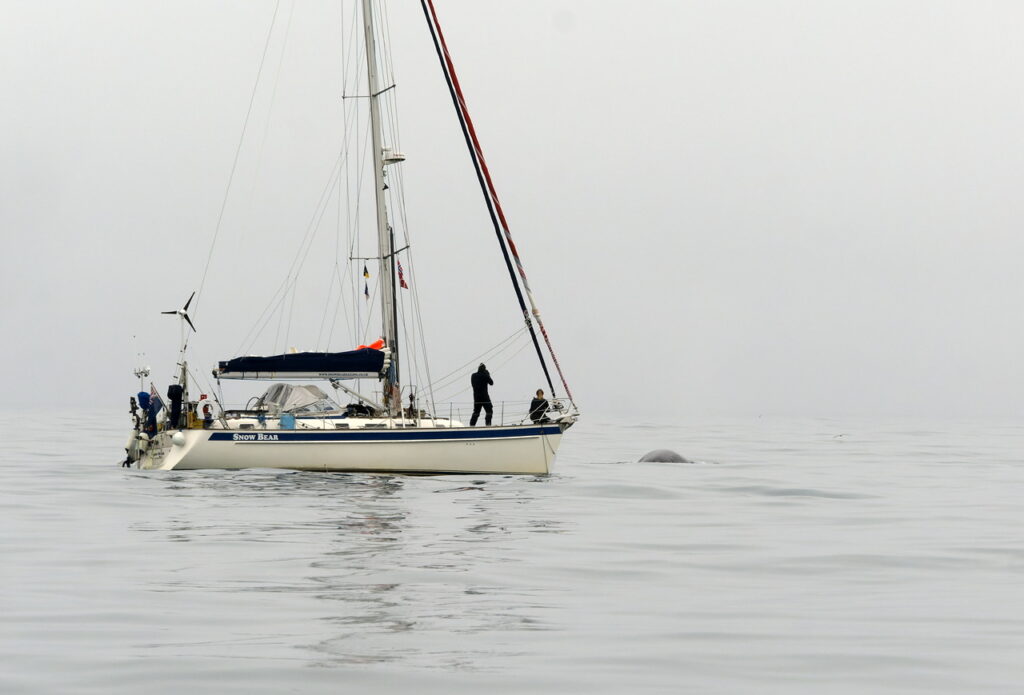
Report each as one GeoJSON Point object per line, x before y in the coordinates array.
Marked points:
{"type": "Point", "coordinates": [516, 449]}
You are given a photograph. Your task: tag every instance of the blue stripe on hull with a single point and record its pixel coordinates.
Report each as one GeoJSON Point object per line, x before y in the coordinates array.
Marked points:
{"type": "Point", "coordinates": [395, 435]}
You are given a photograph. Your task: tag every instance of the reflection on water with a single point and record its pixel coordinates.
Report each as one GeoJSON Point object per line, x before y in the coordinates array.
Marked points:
{"type": "Point", "coordinates": [884, 560]}
{"type": "Point", "coordinates": [391, 568]}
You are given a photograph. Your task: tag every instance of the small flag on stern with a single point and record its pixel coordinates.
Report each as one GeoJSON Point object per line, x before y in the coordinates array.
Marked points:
{"type": "Point", "coordinates": [401, 276]}
{"type": "Point", "coordinates": [366, 290]}
{"type": "Point", "coordinates": [366, 272]}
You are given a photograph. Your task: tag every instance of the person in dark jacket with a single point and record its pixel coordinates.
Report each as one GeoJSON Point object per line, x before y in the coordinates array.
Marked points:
{"type": "Point", "coordinates": [481, 399]}
{"type": "Point", "coordinates": [539, 408]}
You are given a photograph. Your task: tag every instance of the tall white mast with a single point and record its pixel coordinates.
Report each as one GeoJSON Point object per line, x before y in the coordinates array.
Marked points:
{"type": "Point", "coordinates": [384, 238]}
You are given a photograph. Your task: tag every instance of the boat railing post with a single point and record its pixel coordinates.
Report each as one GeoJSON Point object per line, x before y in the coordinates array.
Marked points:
{"type": "Point", "coordinates": [449, 414]}
{"type": "Point", "coordinates": [502, 419]}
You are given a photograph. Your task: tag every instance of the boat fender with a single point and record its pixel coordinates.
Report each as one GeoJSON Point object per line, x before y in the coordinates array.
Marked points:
{"type": "Point", "coordinates": [178, 439]}
{"type": "Point", "coordinates": [287, 421]}
{"type": "Point", "coordinates": [663, 456]}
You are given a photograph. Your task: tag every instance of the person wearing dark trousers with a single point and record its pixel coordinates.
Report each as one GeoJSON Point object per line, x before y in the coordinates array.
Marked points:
{"type": "Point", "coordinates": [481, 399]}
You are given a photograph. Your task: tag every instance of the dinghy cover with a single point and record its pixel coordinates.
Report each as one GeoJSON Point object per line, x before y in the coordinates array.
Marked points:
{"type": "Point", "coordinates": [354, 364]}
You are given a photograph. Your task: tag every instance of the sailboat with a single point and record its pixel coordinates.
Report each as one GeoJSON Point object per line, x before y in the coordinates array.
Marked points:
{"type": "Point", "coordinates": [296, 425]}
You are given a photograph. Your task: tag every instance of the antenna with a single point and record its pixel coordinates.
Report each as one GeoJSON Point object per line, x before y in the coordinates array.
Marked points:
{"type": "Point", "coordinates": [141, 373]}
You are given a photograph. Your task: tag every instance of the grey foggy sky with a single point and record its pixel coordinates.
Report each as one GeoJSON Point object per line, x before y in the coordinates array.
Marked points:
{"type": "Point", "coordinates": [725, 207]}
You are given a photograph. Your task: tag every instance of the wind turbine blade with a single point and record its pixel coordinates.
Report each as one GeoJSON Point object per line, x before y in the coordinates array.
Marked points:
{"type": "Point", "coordinates": [168, 312]}
{"type": "Point", "coordinates": [189, 322]}
{"type": "Point", "coordinates": [189, 302]}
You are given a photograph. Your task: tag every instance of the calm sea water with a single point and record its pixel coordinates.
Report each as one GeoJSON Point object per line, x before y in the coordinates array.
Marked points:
{"type": "Point", "coordinates": [796, 556]}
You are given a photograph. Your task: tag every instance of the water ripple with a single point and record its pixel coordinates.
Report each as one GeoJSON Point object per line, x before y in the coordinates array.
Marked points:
{"type": "Point", "coordinates": [814, 556]}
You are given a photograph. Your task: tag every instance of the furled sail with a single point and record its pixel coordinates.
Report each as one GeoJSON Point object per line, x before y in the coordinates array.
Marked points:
{"type": "Point", "coordinates": [354, 364]}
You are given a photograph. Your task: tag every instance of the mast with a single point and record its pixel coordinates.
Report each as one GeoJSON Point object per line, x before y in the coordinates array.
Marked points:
{"type": "Point", "coordinates": [385, 241]}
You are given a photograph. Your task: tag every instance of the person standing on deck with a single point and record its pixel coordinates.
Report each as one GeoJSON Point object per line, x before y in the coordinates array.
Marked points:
{"type": "Point", "coordinates": [481, 399]}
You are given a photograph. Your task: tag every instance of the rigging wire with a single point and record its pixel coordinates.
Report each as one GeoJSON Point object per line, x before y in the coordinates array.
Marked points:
{"type": "Point", "coordinates": [284, 299]}
{"type": "Point", "coordinates": [289, 283]}
{"type": "Point", "coordinates": [291, 311]}
{"type": "Point", "coordinates": [330, 295]}
{"type": "Point", "coordinates": [355, 211]}
{"type": "Point", "coordinates": [353, 251]}
{"type": "Point", "coordinates": [280, 320]}
{"type": "Point", "coordinates": [234, 164]}
{"type": "Point", "coordinates": [415, 343]}
{"type": "Point", "coordinates": [404, 307]}
{"type": "Point", "coordinates": [299, 255]}
{"type": "Point", "coordinates": [391, 101]}
{"type": "Point", "coordinates": [309, 246]}
{"type": "Point", "coordinates": [366, 329]}
{"type": "Point", "coordinates": [286, 294]}
{"type": "Point", "coordinates": [351, 214]}
{"type": "Point", "coordinates": [501, 364]}
{"type": "Point", "coordinates": [475, 154]}
{"type": "Point", "coordinates": [490, 195]}
{"type": "Point", "coordinates": [460, 371]}
{"type": "Point", "coordinates": [338, 300]}
{"type": "Point", "coordinates": [273, 98]}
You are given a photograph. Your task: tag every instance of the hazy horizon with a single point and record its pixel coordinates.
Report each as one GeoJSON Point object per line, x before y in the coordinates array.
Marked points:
{"type": "Point", "coordinates": [737, 208]}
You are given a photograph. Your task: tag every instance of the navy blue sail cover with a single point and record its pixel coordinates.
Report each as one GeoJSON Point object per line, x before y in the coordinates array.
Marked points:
{"type": "Point", "coordinates": [354, 364]}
